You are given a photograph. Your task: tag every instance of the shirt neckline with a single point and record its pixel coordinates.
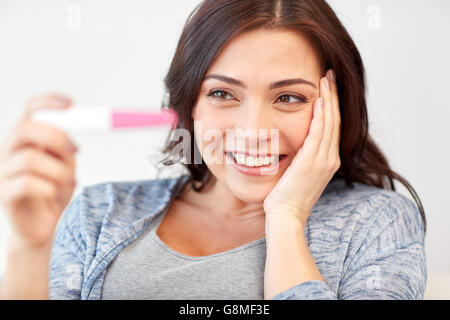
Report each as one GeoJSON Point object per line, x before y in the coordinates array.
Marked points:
{"type": "Point", "coordinates": [158, 240]}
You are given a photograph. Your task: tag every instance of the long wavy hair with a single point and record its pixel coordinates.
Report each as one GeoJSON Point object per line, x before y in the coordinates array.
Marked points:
{"type": "Point", "coordinates": [213, 23]}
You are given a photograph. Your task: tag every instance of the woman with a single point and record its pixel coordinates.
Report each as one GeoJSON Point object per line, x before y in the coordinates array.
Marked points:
{"type": "Point", "coordinates": [325, 221]}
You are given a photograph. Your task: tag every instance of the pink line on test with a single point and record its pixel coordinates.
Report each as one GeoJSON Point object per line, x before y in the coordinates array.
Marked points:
{"type": "Point", "coordinates": [122, 119]}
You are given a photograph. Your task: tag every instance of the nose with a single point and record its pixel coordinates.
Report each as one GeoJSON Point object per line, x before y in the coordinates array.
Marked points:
{"type": "Point", "coordinates": [253, 126]}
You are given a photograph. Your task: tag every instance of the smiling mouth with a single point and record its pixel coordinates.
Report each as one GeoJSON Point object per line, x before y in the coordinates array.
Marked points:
{"type": "Point", "coordinates": [255, 162]}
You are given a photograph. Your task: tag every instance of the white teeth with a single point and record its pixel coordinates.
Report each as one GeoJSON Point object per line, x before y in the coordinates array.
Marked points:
{"type": "Point", "coordinates": [254, 161]}
{"type": "Point", "coordinates": [241, 158]}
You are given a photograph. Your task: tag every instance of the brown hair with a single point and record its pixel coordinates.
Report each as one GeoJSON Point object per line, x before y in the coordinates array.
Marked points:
{"type": "Point", "coordinates": [213, 23]}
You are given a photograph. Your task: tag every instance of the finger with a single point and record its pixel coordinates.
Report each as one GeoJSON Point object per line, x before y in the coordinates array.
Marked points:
{"type": "Point", "coordinates": [27, 186]}
{"type": "Point", "coordinates": [325, 92]}
{"type": "Point", "coordinates": [43, 136]}
{"type": "Point", "coordinates": [40, 164]}
{"type": "Point", "coordinates": [334, 146]}
{"type": "Point", "coordinates": [46, 101]}
{"type": "Point", "coordinates": [312, 141]}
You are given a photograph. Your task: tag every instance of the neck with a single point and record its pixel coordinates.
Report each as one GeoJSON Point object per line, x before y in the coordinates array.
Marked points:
{"type": "Point", "coordinates": [218, 200]}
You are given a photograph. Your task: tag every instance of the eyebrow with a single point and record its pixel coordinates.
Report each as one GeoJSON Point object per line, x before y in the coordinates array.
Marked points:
{"type": "Point", "coordinates": [272, 85]}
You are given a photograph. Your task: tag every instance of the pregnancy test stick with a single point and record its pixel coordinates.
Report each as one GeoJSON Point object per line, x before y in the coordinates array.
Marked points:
{"type": "Point", "coordinates": [99, 118]}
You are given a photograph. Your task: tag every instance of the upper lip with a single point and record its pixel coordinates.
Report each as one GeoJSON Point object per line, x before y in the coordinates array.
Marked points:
{"type": "Point", "coordinates": [255, 154]}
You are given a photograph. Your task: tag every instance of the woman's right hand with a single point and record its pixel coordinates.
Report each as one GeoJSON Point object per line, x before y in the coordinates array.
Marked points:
{"type": "Point", "coordinates": [37, 175]}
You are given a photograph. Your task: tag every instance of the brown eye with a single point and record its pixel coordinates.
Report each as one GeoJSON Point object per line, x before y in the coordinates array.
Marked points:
{"type": "Point", "coordinates": [286, 99]}
{"type": "Point", "coordinates": [219, 94]}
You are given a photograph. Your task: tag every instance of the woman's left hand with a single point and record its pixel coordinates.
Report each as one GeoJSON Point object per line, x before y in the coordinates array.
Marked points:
{"type": "Point", "coordinates": [316, 161]}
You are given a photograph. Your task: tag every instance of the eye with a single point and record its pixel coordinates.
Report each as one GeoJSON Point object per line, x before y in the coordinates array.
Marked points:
{"type": "Point", "coordinates": [288, 96]}
{"type": "Point", "coordinates": [219, 94]}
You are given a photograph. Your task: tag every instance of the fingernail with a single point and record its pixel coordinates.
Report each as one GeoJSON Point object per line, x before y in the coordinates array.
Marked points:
{"type": "Point", "coordinates": [63, 100]}
{"type": "Point", "coordinates": [331, 75]}
{"type": "Point", "coordinates": [326, 82]}
{"type": "Point", "coordinates": [71, 147]}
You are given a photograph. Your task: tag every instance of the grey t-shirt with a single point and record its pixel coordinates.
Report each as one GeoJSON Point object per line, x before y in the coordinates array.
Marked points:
{"type": "Point", "coordinates": [149, 269]}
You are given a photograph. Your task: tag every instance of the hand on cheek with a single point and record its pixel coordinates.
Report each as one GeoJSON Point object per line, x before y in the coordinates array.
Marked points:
{"type": "Point", "coordinates": [315, 163]}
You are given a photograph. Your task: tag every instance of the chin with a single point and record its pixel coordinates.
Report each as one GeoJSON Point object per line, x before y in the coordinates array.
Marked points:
{"type": "Point", "coordinates": [250, 193]}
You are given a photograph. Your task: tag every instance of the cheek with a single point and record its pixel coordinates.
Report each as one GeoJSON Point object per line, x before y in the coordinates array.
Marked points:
{"type": "Point", "coordinates": [296, 130]}
{"type": "Point", "coordinates": [209, 131]}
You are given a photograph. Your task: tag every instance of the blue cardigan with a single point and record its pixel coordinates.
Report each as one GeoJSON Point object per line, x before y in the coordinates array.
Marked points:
{"type": "Point", "coordinates": [367, 242]}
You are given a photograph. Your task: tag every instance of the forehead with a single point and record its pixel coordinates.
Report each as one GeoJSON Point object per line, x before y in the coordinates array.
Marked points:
{"type": "Point", "coordinates": [274, 52]}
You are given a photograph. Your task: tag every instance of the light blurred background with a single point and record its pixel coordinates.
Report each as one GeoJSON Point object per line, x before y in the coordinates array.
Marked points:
{"type": "Point", "coordinates": [117, 53]}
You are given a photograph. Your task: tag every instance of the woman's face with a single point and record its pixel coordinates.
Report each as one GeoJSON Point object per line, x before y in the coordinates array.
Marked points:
{"type": "Point", "coordinates": [242, 108]}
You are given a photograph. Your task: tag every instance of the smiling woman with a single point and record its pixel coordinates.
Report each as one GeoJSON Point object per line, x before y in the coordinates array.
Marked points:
{"type": "Point", "coordinates": [317, 217]}
{"type": "Point", "coordinates": [262, 70]}
{"type": "Point", "coordinates": [324, 223]}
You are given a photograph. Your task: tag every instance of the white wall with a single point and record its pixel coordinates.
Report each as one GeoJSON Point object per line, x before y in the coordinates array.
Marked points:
{"type": "Point", "coordinates": [118, 52]}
